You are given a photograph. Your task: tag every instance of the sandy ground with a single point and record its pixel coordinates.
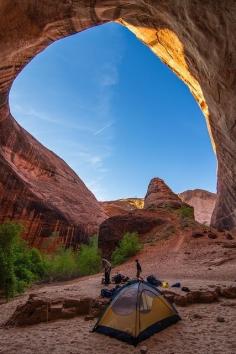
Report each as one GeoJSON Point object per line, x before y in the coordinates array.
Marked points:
{"type": "Point", "coordinates": [189, 261]}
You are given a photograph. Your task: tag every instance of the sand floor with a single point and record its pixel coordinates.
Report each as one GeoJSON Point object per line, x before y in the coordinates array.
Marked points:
{"type": "Point", "coordinates": [204, 335]}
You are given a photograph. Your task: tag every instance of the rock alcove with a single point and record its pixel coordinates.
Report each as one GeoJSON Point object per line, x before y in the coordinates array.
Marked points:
{"type": "Point", "coordinates": [195, 39]}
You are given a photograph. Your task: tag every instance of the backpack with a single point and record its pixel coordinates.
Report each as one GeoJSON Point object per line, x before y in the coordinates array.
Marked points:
{"type": "Point", "coordinates": [117, 278]}
{"type": "Point", "coordinates": [151, 279]}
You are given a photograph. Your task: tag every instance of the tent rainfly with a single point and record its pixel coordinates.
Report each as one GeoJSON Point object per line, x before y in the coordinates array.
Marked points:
{"type": "Point", "coordinates": [138, 311]}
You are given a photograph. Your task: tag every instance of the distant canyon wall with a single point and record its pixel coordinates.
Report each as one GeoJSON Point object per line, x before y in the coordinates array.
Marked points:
{"type": "Point", "coordinates": [159, 195]}
{"type": "Point", "coordinates": [203, 203]}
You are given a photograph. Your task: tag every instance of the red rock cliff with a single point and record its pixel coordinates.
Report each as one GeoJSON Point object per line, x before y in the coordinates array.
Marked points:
{"type": "Point", "coordinates": [40, 190]}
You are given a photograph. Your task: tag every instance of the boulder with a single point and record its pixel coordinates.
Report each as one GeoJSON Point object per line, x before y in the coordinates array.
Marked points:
{"type": "Point", "coordinates": [41, 309]}
{"type": "Point", "coordinates": [195, 297]}
{"type": "Point", "coordinates": [229, 245]}
{"type": "Point", "coordinates": [212, 235]}
{"type": "Point", "coordinates": [197, 234]}
{"type": "Point", "coordinates": [229, 236]}
{"type": "Point", "coordinates": [229, 293]}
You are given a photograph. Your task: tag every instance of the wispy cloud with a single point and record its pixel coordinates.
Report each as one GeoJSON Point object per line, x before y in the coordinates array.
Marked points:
{"type": "Point", "coordinates": [99, 131]}
{"type": "Point", "coordinates": [90, 158]}
{"type": "Point", "coordinates": [27, 111]}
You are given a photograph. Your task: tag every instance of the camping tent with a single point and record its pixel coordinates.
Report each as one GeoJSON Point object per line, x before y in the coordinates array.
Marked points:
{"type": "Point", "coordinates": [136, 312]}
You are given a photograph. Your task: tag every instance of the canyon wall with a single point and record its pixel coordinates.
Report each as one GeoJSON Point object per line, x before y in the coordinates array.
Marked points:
{"type": "Point", "coordinates": [203, 203]}
{"type": "Point", "coordinates": [196, 39]}
{"type": "Point", "coordinates": [41, 191]}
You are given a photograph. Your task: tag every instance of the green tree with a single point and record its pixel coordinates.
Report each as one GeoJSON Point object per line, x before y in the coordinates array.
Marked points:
{"type": "Point", "coordinates": [128, 247]}
{"type": "Point", "coordinates": [9, 234]}
{"type": "Point", "coordinates": [20, 265]}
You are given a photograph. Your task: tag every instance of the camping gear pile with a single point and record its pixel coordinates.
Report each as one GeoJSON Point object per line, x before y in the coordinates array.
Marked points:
{"type": "Point", "coordinates": [120, 278]}
{"type": "Point", "coordinates": [110, 293]}
{"type": "Point", "coordinates": [151, 279]}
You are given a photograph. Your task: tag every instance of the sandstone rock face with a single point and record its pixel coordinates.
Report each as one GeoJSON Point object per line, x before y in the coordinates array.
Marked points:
{"type": "Point", "coordinates": [122, 206]}
{"type": "Point", "coordinates": [203, 203]}
{"type": "Point", "coordinates": [196, 39]}
{"type": "Point", "coordinates": [160, 195]}
{"type": "Point", "coordinates": [40, 190]}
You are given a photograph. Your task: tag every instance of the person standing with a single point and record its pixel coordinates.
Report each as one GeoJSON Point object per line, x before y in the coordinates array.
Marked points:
{"type": "Point", "coordinates": [138, 268]}
{"type": "Point", "coordinates": [107, 270]}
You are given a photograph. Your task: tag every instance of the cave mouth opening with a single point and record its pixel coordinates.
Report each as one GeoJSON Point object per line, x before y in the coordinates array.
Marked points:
{"type": "Point", "coordinates": [91, 99]}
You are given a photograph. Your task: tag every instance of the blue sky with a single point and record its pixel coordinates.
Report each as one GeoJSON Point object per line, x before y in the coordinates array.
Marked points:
{"type": "Point", "coordinates": [106, 104]}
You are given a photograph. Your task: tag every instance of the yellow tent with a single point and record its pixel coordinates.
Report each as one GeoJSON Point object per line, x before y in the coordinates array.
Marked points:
{"type": "Point", "coordinates": [138, 311]}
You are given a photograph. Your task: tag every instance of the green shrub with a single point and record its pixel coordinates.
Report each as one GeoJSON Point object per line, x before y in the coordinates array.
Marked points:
{"type": "Point", "coordinates": [8, 235]}
{"type": "Point", "coordinates": [29, 266]}
{"type": "Point", "coordinates": [89, 258]}
{"type": "Point", "coordinates": [60, 265]}
{"type": "Point", "coordinates": [20, 266]}
{"type": "Point", "coordinates": [66, 263]}
{"type": "Point", "coordinates": [128, 247]}
{"type": "Point", "coordinates": [186, 212]}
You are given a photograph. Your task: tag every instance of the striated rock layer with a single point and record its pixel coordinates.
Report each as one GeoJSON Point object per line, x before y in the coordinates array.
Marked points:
{"type": "Point", "coordinates": [203, 203]}
{"type": "Point", "coordinates": [196, 39]}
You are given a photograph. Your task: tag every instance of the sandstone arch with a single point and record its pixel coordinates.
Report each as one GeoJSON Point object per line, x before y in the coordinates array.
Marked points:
{"type": "Point", "coordinates": [196, 39]}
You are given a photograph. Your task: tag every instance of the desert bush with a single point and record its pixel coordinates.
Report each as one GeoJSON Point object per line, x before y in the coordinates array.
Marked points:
{"type": "Point", "coordinates": [186, 212]}
{"type": "Point", "coordinates": [67, 263]}
{"type": "Point", "coordinates": [89, 258]}
{"type": "Point", "coordinates": [128, 247]}
{"type": "Point", "coordinates": [61, 265]}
